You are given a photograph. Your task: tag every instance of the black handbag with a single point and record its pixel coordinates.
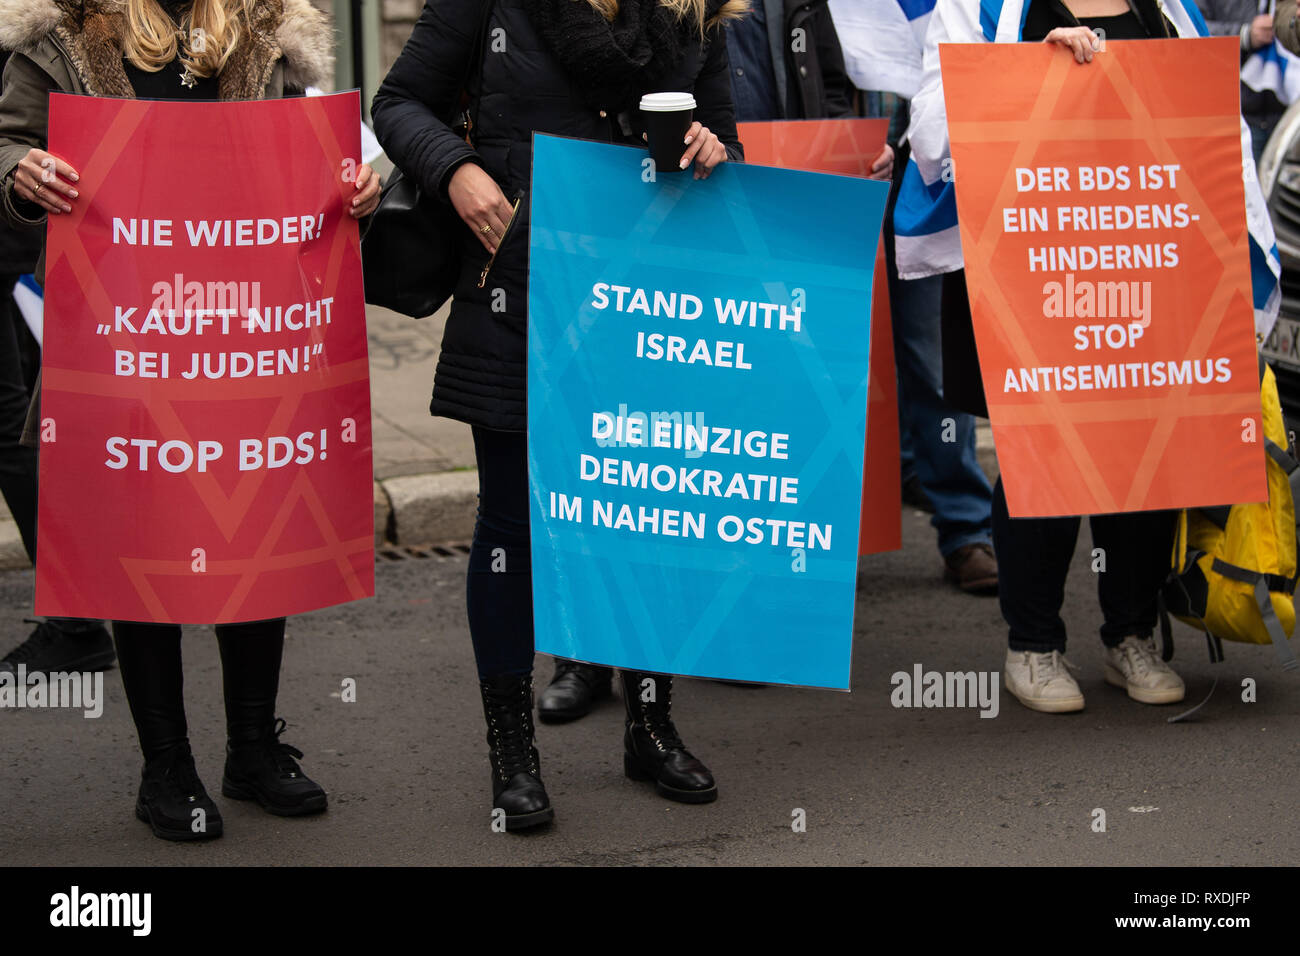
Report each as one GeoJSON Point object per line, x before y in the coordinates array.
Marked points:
{"type": "Point", "coordinates": [411, 250]}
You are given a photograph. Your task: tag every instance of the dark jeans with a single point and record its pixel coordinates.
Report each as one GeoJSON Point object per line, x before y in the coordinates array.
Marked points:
{"type": "Point", "coordinates": [499, 588]}
{"type": "Point", "coordinates": [17, 375]}
{"type": "Point", "coordinates": [936, 440]}
{"type": "Point", "coordinates": [149, 659]}
{"type": "Point", "coordinates": [1034, 558]}
{"type": "Point", "coordinates": [1261, 128]}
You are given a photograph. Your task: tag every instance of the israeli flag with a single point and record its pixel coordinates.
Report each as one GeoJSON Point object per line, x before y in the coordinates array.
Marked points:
{"type": "Point", "coordinates": [1273, 69]}
{"type": "Point", "coordinates": [925, 219]}
{"type": "Point", "coordinates": [883, 41]}
{"type": "Point", "coordinates": [30, 300]}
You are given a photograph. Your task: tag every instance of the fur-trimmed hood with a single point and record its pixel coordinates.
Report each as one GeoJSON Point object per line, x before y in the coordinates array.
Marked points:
{"type": "Point", "coordinates": [90, 35]}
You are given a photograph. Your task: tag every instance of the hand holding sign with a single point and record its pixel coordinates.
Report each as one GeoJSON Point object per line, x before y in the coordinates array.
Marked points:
{"type": "Point", "coordinates": [1103, 228]}
{"type": "Point", "coordinates": [205, 364]}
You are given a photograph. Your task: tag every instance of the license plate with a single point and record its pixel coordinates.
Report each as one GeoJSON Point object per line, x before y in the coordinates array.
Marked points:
{"type": "Point", "coordinates": [1283, 344]}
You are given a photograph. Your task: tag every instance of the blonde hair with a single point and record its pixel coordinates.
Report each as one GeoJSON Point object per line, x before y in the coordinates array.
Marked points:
{"type": "Point", "coordinates": [690, 10]}
{"type": "Point", "coordinates": [208, 33]}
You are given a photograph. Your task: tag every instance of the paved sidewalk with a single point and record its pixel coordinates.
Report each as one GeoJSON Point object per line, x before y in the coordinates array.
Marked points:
{"type": "Point", "coordinates": [406, 765]}
{"type": "Point", "coordinates": [425, 482]}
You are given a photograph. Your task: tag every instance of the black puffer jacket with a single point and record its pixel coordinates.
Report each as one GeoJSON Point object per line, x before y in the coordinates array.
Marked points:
{"type": "Point", "coordinates": [521, 89]}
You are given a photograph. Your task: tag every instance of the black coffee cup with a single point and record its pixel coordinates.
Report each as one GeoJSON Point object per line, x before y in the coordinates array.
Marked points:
{"type": "Point", "coordinates": [667, 118]}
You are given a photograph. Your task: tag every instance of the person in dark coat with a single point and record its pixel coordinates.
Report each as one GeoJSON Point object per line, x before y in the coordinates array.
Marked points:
{"type": "Point", "coordinates": [147, 49]}
{"type": "Point", "coordinates": [810, 83]}
{"type": "Point", "coordinates": [56, 644]}
{"type": "Point", "coordinates": [572, 68]}
{"type": "Point", "coordinates": [786, 63]}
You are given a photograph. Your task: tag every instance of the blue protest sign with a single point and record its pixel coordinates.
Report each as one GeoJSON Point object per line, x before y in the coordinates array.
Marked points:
{"type": "Point", "coordinates": [697, 394]}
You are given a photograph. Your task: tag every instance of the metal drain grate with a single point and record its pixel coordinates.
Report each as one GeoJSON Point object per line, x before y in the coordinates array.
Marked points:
{"type": "Point", "coordinates": [410, 553]}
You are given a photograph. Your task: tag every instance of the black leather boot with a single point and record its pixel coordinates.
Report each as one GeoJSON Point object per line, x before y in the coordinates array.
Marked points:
{"type": "Point", "coordinates": [652, 748]}
{"type": "Point", "coordinates": [516, 770]}
{"type": "Point", "coordinates": [265, 770]}
{"type": "Point", "coordinates": [170, 793]}
{"type": "Point", "coordinates": [573, 691]}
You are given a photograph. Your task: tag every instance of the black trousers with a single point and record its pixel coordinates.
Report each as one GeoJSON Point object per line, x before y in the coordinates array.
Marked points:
{"type": "Point", "coordinates": [1034, 558]}
{"type": "Point", "coordinates": [499, 588]}
{"type": "Point", "coordinates": [18, 465]}
{"type": "Point", "coordinates": [19, 362]}
{"type": "Point", "coordinates": [149, 658]}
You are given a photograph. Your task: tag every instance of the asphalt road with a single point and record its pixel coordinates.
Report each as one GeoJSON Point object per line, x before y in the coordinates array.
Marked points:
{"type": "Point", "coordinates": [406, 766]}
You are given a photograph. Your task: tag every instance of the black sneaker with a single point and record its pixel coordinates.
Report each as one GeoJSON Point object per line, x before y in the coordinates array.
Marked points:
{"type": "Point", "coordinates": [173, 800]}
{"type": "Point", "coordinates": [265, 770]}
{"type": "Point", "coordinates": [53, 648]}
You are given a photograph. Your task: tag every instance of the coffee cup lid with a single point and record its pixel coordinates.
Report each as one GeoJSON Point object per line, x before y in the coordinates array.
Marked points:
{"type": "Point", "coordinates": [667, 102]}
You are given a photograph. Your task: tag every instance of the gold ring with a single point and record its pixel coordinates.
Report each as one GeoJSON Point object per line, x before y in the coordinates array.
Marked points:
{"type": "Point", "coordinates": [486, 229]}
{"type": "Point", "coordinates": [39, 187]}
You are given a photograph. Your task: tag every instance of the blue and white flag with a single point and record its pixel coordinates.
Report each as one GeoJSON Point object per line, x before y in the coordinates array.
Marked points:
{"type": "Point", "coordinates": [1273, 69]}
{"type": "Point", "coordinates": [30, 300]}
{"type": "Point", "coordinates": [883, 41]}
{"type": "Point", "coordinates": [925, 220]}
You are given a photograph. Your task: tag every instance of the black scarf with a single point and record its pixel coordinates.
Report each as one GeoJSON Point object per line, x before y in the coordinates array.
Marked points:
{"type": "Point", "coordinates": [613, 63]}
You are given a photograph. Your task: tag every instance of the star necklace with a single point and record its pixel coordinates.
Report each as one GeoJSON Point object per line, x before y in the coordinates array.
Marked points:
{"type": "Point", "coordinates": [188, 79]}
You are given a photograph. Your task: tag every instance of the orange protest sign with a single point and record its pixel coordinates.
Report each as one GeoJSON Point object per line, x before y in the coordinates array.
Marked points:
{"type": "Point", "coordinates": [1103, 228]}
{"type": "Point", "coordinates": [849, 147]}
{"type": "Point", "coordinates": [844, 146]}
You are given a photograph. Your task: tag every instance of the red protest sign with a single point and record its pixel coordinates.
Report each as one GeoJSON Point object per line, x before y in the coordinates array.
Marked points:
{"type": "Point", "coordinates": [1103, 228]}
{"type": "Point", "coordinates": [205, 412]}
{"type": "Point", "coordinates": [849, 147]}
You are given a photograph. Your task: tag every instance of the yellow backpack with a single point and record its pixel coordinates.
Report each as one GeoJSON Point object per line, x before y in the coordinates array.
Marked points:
{"type": "Point", "coordinates": [1234, 567]}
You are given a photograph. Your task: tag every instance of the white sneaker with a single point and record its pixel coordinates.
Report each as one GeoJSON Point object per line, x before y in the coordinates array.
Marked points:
{"type": "Point", "coordinates": [1042, 682]}
{"type": "Point", "coordinates": [1136, 666]}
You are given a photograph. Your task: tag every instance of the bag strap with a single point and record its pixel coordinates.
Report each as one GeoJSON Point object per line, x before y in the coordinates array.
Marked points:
{"type": "Point", "coordinates": [1274, 582]}
{"type": "Point", "coordinates": [1166, 629]}
{"type": "Point", "coordinates": [1292, 469]}
{"type": "Point", "coordinates": [1166, 632]}
{"type": "Point", "coordinates": [1285, 655]}
{"type": "Point", "coordinates": [1167, 636]}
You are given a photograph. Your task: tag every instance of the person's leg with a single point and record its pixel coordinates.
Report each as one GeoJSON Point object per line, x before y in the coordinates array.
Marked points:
{"type": "Point", "coordinates": [172, 799]}
{"type": "Point", "coordinates": [1034, 558]}
{"type": "Point", "coordinates": [499, 586]}
{"type": "Point", "coordinates": [57, 644]}
{"type": "Point", "coordinates": [499, 599]}
{"type": "Point", "coordinates": [1137, 550]}
{"type": "Point", "coordinates": [914, 495]}
{"type": "Point", "coordinates": [250, 670]}
{"type": "Point", "coordinates": [17, 464]}
{"type": "Point", "coordinates": [149, 657]}
{"type": "Point", "coordinates": [653, 749]}
{"type": "Point", "coordinates": [942, 438]}
{"type": "Point", "coordinates": [1133, 553]}
{"type": "Point", "coordinates": [259, 766]}
{"type": "Point", "coordinates": [1033, 561]}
